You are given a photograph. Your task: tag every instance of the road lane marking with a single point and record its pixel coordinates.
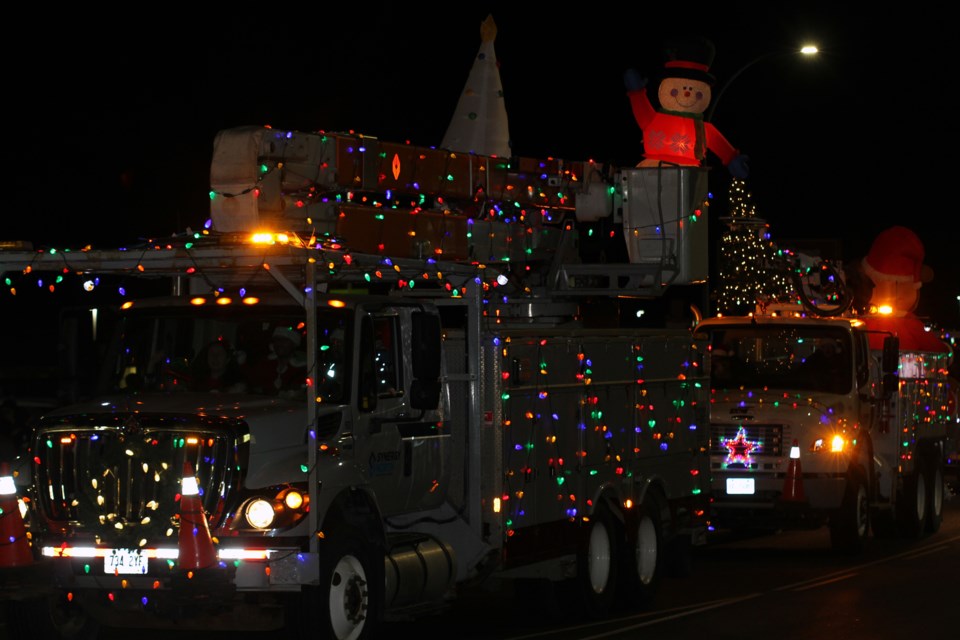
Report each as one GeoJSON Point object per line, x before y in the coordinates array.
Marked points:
{"type": "Point", "coordinates": [656, 617]}
{"type": "Point", "coordinates": [928, 551]}
{"type": "Point", "coordinates": [904, 554]}
{"type": "Point", "coordinates": [820, 583]}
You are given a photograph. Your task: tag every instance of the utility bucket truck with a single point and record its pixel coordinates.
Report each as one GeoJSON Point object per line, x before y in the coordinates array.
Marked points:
{"type": "Point", "coordinates": [470, 402]}
{"type": "Point", "coordinates": [826, 420]}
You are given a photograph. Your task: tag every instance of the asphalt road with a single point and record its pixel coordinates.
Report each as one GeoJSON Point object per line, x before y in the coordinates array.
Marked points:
{"type": "Point", "coordinates": [788, 585]}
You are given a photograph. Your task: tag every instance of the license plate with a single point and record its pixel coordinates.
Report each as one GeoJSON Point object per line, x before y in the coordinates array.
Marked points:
{"type": "Point", "coordinates": [125, 561]}
{"type": "Point", "coordinates": [741, 486]}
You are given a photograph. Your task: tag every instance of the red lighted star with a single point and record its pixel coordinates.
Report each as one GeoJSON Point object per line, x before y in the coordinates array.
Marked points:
{"type": "Point", "coordinates": [739, 448]}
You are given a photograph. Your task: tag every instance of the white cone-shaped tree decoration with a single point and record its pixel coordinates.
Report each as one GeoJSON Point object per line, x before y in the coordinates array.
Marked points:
{"type": "Point", "coordinates": [479, 124]}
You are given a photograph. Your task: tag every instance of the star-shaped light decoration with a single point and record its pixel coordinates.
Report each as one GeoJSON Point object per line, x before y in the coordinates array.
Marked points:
{"type": "Point", "coordinates": [739, 449]}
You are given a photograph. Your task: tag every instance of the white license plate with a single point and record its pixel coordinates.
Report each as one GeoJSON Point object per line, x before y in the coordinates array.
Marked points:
{"type": "Point", "coordinates": [741, 486]}
{"type": "Point", "coordinates": [127, 561]}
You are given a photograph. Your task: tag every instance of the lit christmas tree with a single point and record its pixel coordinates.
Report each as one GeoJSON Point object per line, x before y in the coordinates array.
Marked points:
{"type": "Point", "coordinates": [750, 268]}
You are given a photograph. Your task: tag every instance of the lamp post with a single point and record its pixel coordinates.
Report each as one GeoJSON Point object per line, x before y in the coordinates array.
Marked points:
{"type": "Point", "coordinates": [806, 50]}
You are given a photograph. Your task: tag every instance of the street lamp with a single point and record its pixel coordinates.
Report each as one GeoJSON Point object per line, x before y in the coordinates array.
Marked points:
{"type": "Point", "coordinates": [806, 50]}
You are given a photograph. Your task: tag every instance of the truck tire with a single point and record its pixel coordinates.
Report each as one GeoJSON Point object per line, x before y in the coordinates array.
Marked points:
{"type": "Point", "coordinates": [850, 524]}
{"type": "Point", "coordinates": [598, 564]}
{"type": "Point", "coordinates": [644, 559]}
{"type": "Point", "coordinates": [912, 507]}
{"type": "Point", "coordinates": [934, 497]}
{"type": "Point", "coordinates": [347, 600]}
{"type": "Point", "coordinates": [50, 617]}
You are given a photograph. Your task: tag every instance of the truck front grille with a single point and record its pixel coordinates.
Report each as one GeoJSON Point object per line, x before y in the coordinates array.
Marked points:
{"type": "Point", "coordinates": [122, 473]}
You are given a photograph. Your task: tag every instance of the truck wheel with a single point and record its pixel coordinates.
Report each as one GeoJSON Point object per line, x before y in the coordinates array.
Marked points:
{"type": "Point", "coordinates": [598, 564]}
{"type": "Point", "coordinates": [643, 564]}
{"type": "Point", "coordinates": [934, 498]}
{"type": "Point", "coordinates": [52, 617]}
{"type": "Point", "coordinates": [850, 523]}
{"type": "Point", "coordinates": [349, 592]}
{"type": "Point", "coordinates": [912, 510]}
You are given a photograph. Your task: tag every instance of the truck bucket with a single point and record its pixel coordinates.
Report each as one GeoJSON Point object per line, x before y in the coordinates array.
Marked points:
{"type": "Point", "coordinates": [665, 220]}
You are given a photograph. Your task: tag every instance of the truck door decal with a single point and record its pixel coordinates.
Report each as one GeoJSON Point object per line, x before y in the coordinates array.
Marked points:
{"type": "Point", "coordinates": [382, 463]}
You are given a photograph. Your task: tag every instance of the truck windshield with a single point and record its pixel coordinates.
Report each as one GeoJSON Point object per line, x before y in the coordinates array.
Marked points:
{"type": "Point", "coordinates": [228, 350]}
{"type": "Point", "coordinates": [793, 358]}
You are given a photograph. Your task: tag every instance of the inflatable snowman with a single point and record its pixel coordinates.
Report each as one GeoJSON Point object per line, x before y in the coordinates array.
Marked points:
{"type": "Point", "coordinates": [676, 134]}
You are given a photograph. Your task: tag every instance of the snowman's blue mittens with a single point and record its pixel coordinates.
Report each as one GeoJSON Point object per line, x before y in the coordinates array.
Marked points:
{"type": "Point", "coordinates": [738, 167]}
{"type": "Point", "coordinates": [633, 81]}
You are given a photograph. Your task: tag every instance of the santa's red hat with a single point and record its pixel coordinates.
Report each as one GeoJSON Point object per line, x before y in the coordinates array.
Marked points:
{"type": "Point", "coordinates": [896, 255]}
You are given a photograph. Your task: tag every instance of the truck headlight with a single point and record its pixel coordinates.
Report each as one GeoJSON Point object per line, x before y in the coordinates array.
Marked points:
{"type": "Point", "coordinates": [293, 499]}
{"type": "Point", "coordinates": [282, 510]}
{"type": "Point", "coordinates": [259, 513]}
{"type": "Point", "coordinates": [836, 443]}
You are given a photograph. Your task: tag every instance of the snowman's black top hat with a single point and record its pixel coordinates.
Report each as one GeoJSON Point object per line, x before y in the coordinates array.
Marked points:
{"type": "Point", "coordinates": [689, 58]}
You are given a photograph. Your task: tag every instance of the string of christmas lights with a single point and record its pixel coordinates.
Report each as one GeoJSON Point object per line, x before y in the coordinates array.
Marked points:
{"type": "Point", "coordinates": [562, 396]}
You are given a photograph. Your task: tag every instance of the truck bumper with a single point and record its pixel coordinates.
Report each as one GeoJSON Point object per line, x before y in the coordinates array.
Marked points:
{"type": "Point", "coordinates": [284, 569]}
{"type": "Point", "coordinates": [755, 501]}
{"type": "Point", "coordinates": [239, 594]}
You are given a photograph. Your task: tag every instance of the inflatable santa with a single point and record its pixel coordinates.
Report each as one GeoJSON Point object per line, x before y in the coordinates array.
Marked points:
{"type": "Point", "coordinates": [894, 267]}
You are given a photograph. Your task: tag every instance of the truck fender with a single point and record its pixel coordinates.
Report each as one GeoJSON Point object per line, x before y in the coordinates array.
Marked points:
{"type": "Point", "coordinates": [607, 494]}
{"type": "Point", "coordinates": [337, 480]}
{"type": "Point", "coordinates": [666, 512]}
{"type": "Point", "coordinates": [357, 508]}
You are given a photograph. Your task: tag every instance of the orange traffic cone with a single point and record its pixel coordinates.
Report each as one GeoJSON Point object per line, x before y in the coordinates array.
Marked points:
{"type": "Point", "coordinates": [14, 546]}
{"type": "Point", "coordinates": [793, 483]}
{"type": "Point", "coordinates": [195, 545]}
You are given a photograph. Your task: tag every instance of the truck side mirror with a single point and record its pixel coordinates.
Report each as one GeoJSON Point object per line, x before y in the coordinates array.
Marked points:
{"type": "Point", "coordinates": [425, 348]}
{"type": "Point", "coordinates": [367, 388]}
{"type": "Point", "coordinates": [890, 363]}
{"type": "Point", "coordinates": [888, 385]}
{"type": "Point", "coordinates": [891, 354]}
{"type": "Point", "coordinates": [424, 394]}
{"type": "Point", "coordinates": [425, 360]}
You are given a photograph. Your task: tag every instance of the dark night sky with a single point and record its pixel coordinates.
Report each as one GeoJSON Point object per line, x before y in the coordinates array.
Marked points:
{"type": "Point", "coordinates": [111, 119]}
